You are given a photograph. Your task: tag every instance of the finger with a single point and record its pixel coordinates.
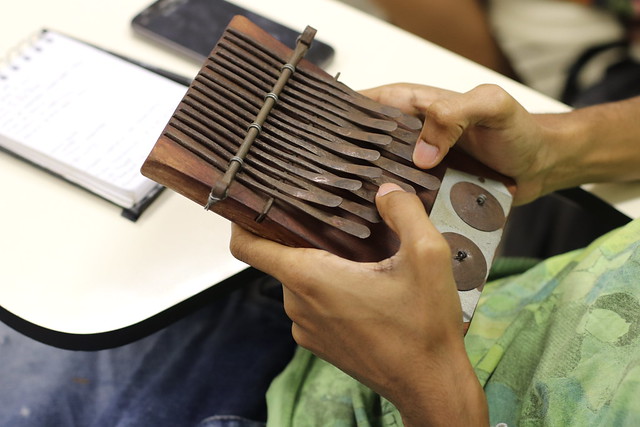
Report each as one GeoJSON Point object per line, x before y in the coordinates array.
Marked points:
{"type": "Point", "coordinates": [409, 98]}
{"type": "Point", "coordinates": [447, 118]}
{"type": "Point", "coordinates": [405, 214]}
{"type": "Point", "coordinates": [265, 255]}
{"type": "Point", "coordinates": [301, 270]}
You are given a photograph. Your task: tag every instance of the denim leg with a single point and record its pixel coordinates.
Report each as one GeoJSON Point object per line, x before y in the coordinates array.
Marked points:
{"type": "Point", "coordinates": [219, 360]}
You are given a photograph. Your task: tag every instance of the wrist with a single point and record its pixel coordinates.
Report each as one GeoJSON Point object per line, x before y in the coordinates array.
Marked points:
{"type": "Point", "coordinates": [592, 144]}
{"type": "Point", "coordinates": [446, 393]}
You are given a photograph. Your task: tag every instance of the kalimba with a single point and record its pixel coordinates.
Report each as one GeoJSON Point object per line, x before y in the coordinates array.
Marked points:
{"type": "Point", "coordinates": [273, 143]}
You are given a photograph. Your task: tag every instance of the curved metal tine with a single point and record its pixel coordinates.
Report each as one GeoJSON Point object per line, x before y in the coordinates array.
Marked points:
{"type": "Point", "coordinates": [250, 54]}
{"type": "Point", "coordinates": [320, 175]}
{"type": "Point", "coordinates": [321, 82]}
{"type": "Point", "coordinates": [401, 150]}
{"type": "Point", "coordinates": [340, 91]}
{"type": "Point", "coordinates": [345, 117]}
{"type": "Point", "coordinates": [339, 145]}
{"type": "Point", "coordinates": [366, 212]}
{"type": "Point", "coordinates": [322, 158]}
{"type": "Point", "coordinates": [287, 102]}
{"type": "Point", "coordinates": [350, 227]}
{"type": "Point", "coordinates": [301, 109]}
{"type": "Point", "coordinates": [323, 138]}
{"type": "Point", "coordinates": [414, 175]}
{"type": "Point", "coordinates": [406, 136]}
{"type": "Point", "coordinates": [339, 98]}
{"type": "Point", "coordinates": [310, 194]}
{"type": "Point", "coordinates": [343, 224]}
{"type": "Point", "coordinates": [410, 122]}
{"type": "Point", "coordinates": [341, 108]}
{"type": "Point", "coordinates": [255, 45]}
{"type": "Point", "coordinates": [239, 76]}
{"type": "Point", "coordinates": [255, 167]}
{"type": "Point", "coordinates": [329, 141]}
{"type": "Point", "coordinates": [354, 134]}
{"type": "Point", "coordinates": [308, 170]}
{"type": "Point", "coordinates": [185, 137]}
{"type": "Point", "coordinates": [316, 174]}
{"type": "Point", "coordinates": [334, 124]}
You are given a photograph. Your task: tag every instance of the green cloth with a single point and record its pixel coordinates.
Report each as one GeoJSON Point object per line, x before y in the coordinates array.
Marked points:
{"type": "Point", "coordinates": [558, 345]}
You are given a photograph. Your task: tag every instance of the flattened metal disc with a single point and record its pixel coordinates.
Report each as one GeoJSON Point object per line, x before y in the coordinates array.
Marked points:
{"type": "Point", "coordinates": [469, 264]}
{"type": "Point", "coordinates": [477, 207]}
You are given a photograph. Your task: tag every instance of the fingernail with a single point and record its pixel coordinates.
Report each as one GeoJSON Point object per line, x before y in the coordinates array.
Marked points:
{"type": "Point", "coordinates": [388, 188]}
{"type": "Point", "coordinates": [425, 154]}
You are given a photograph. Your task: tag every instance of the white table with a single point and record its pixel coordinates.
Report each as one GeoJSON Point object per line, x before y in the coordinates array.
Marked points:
{"type": "Point", "coordinates": [70, 263]}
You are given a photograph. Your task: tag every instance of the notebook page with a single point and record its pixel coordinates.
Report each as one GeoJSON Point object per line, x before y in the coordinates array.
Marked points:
{"type": "Point", "coordinates": [84, 114]}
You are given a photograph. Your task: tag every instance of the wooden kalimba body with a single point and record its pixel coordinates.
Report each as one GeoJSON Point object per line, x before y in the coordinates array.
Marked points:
{"type": "Point", "coordinates": [273, 143]}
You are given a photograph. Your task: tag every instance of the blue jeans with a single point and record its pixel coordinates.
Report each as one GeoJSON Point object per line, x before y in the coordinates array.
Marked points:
{"type": "Point", "coordinates": [212, 367]}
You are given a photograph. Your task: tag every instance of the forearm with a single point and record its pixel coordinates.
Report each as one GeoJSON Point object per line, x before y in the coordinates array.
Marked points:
{"type": "Point", "coordinates": [443, 392]}
{"type": "Point", "coordinates": [594, 144]}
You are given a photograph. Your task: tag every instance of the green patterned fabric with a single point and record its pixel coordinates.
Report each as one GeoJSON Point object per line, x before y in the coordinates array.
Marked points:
{"type": "Point", "coordinates": [558, 345]}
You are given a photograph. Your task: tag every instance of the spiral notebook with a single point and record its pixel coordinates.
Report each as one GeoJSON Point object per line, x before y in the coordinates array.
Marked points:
{"type": "Point", "coordinates": [85, 115]}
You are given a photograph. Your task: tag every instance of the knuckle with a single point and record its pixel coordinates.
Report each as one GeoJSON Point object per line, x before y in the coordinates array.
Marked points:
{"type": "Point", "coordinates": [431, 246]}
{"type": "Point", "coordinates": [441, 112]}
{"type": "Point", "coordinates": [500, 98]}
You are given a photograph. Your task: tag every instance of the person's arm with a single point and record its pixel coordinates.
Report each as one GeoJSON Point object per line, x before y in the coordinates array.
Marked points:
{"type": "Point", "coordinates": [542, 152]}
{"type": "Point", "coordinates": [396, 326]}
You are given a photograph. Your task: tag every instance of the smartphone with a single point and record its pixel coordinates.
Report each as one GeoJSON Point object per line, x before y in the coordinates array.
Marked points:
{"type": "Point", "coordinates": [193, 27]}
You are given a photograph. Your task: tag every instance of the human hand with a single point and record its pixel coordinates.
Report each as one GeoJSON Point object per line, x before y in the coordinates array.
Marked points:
{"type": "Point", "coordinates": [395, 325]}
{"type": "Point", "coordinates": [486, 122]}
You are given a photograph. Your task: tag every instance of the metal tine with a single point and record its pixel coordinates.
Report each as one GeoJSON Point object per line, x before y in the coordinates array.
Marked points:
{"type": "Point", "coordinates": [342, 91]}
{"type": "Point", "coordinates": [340, 145]}
{"type": "Point", "coordinates": [319, 108]}
{"type": "Point", "coordinates": [263, 87]}
{"type": "Point", "coordinates": [255, 167]}
{"type": "Point", "coordinates": [406, 136]}
{"type": "Point", "coordinates": [410, 122]}
{"type": "Point", "coordinates": [186, 139]}
{"type": "Point", "coordinates": [401, 150]}
{"type": "Point", "coordinates": [232, 134]}
{"type": "Point", "coordinates": [337, 124]}
{"type": "Point", "coordinates": [343, 224]}
{"type": "Point", "coordinates": [313, 173]}
{"type": "Point", "coordinates": [414, 175]}
{"type": "Point", "coordinates": [270, 143]}
{"type": "Point", "coordinates": [343, 115]}
{"type": "Point", "coordinates": [367, 212]}
{"type": "Point", "coordinates": [261, 144]}
{"type": "Point", "coordinates": [339, 116]}
{"type": "Point", "coordinates": [343, 110]}
{"type": "Point", "coordinates": [325, 139]}
{"type": "Point", "coordinates": [318, 81]}
{"type": "Point", "coordinates": [322, 157]}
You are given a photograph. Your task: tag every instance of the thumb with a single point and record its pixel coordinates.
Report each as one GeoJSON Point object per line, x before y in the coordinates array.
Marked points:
{"type": "Point", "coordinates": [405, 214]}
